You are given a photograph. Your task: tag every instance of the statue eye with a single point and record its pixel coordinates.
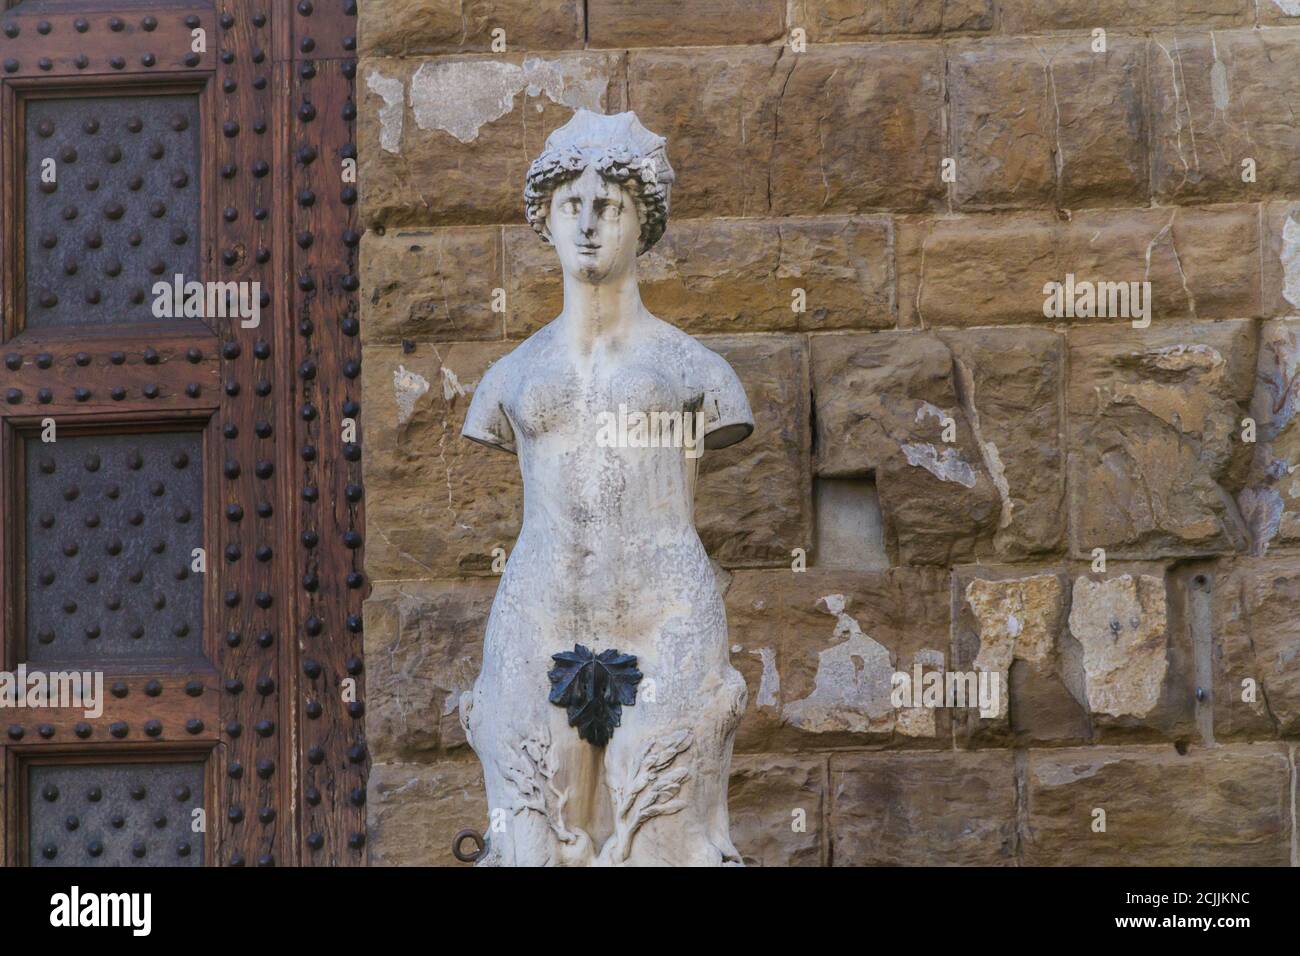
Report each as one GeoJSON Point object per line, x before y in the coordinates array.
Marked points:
{"type": "Point", "coordinates": [612, 211]}
{"type": "Point", "coordinates": [570, 207]}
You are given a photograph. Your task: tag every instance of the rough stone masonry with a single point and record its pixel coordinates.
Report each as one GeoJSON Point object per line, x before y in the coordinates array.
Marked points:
{"type": "Point", "coordinates": [872, 198]}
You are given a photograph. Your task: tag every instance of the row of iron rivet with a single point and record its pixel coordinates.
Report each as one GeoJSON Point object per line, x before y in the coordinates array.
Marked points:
{"type": "Point", "coordinates": [13, 31]}
{"type": "Point", "coordinates": [313, 626]}
{"type": "Point", "coordinates": [351, 368]}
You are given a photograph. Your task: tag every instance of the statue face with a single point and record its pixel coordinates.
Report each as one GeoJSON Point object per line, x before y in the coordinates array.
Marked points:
{"type": "Point", "coordinates": [595, 227]}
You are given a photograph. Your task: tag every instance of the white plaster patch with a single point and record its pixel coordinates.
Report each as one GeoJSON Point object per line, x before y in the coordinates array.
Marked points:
{"type": "Point", "coordinates": [769, 685]}
{"type": "Point", "coordinates": [929, 657]}
{"type": "Point", "coordinates": [947, 465]}
{"type": "Point", "coordinates": [988, 451]}
{"type": "Point", "coordinates": [1062, 774]}
{"type": "Point", "coordinates": [1291, 250]}
{"type": "Point", "coordinates": [460, 97]}
{"type": "Point", "coordinates": [1290, 7]}
{"type": "Point", "coordinates": [836, 603]}
{"type": "Point", "coordinates": [451, 386]}
{"type": "Point", "coordinates": [920, 721]}
{"type": "Point", "coordinates": [853, 684]}
{"type": "Point", "coordinates": [1120, 622]}
{"type": "Point", "coordinates": [407, 388]}
{"type": "Point", "coordinates": [392, 114]}
{"type": "Point", "coordinates": [1262, 509]}
{"type": "Point", "coordinates": [1219, 85]}
{"type": "Point", "coordinates": [998, 475]}
{"type": "Point", "coordinates": [1181, 358]}
{"type": "Point", "coordinates": [934, 411]}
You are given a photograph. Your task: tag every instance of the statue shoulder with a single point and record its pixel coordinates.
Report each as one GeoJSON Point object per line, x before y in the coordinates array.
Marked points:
{"type": "Point", "coordinates": [486, 421]}
{"type": "Point", "coordinates": [507, 370]}
{"type": "Point", "coordinates": [727, 415]}
{"type": "Point", "coordinates": [706, 368]}
{"type": "Point", "coordinates": [698, 362]}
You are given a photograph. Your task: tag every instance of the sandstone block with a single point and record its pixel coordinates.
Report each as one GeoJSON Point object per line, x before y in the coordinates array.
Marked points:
{"type": "Point", "coordinates": [665, 23]}
{"type": "Point", "coordinates": [884, 405]}
{"type": "Point", "coordinates": [1155, 451]}
{"type": "Point", "coordinates": [1223, 806]}
{"type": "Point", "coordinates": [431, 285]}
{"type": "Point", "coordinates": [1201, 263]}
{"type": "Point", "coordinates": [1012, 380]}
{"type": "Point", "coordinates": [1256, 633]}
{"type": "Point", "coordinates": [410, 27]}
{"type": "Point", "coordinates": [839, 129]}
{"type": "Point", "coordinates": [423, 646]}
{"type": "Point", "coordinates": [437, 504]}
{"type": "Point", "coordinates": [414, 811]}
{"type": "Point", "coordinates": [857, 128]}
{"type": "Point", "coordinates": [1214, 101]}
{"type": "Point", "coordinates": [862, 19]}
{"type": "Point", "coordinates": [932, 809]}
{"type": "Point", "coordinates": [1270, 500]}
{"type": "Point", "coordinates": [778, 807]}
{"type": "Point", "coordinates": [1281, 255]}
{"type": "Point", "coordinates": [1032, 16]}
{"type": "Point", "coordinates": [1041, 122]}
{"type": "Point", "coordinates": [954, 446]}
{"type": "Point", "coordinates": [819, 649]}
{"type": "Point", "coordinates": [718, 113]}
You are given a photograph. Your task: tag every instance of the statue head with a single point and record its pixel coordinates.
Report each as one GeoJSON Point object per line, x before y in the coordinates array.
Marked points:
{"type": "Point", "coordinates": [599, 193]}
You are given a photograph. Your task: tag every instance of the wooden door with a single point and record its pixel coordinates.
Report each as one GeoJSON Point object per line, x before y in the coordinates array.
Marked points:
{"type": "Point", "coordinates": [182, 510]}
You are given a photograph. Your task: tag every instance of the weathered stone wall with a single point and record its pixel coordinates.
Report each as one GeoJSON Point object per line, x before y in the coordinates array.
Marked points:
{"type": "Point", "coordinates": [822, 171]}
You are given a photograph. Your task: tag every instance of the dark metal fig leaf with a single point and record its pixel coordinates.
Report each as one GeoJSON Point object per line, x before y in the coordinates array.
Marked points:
{"type": "Point", "coordinates": [594, 689]}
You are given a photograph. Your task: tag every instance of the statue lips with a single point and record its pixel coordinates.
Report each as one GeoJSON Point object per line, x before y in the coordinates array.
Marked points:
{"type": "Point", "coordinates": [594, 688]}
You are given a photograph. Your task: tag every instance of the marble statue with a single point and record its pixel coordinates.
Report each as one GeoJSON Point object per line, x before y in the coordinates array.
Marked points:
{"type": "Point", "coordinates": [606, 707]}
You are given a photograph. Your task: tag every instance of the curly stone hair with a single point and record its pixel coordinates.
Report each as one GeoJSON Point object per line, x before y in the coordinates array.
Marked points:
{"type": "Point", "coordinates": [622, 151]}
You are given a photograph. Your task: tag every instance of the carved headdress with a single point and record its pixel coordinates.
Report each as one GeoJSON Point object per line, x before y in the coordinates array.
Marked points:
{"type": "Point", "coordinates": [622, 150]}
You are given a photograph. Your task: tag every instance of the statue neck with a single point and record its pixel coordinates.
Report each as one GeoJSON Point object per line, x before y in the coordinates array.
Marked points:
{"type": "Point", "coordinates": [600, 314]}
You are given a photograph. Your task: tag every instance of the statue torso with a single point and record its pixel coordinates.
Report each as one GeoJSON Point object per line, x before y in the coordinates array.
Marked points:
{"type": "Point", "coordinates": [608, 554]}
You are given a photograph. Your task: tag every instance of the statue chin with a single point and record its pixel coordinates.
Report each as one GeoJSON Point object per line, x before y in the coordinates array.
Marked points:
{"type": "Point", "coordinates": [592, 273]}
{"type": "Point", "coordinates": [606, 706]}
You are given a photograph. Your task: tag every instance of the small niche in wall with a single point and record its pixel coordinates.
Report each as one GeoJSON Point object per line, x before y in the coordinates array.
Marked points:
{"type": "Point", "coordinates": [850, 532]}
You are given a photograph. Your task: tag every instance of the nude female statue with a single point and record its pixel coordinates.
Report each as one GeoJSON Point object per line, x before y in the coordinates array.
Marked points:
{"type": "Point", "coordinates": [608, 564]}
